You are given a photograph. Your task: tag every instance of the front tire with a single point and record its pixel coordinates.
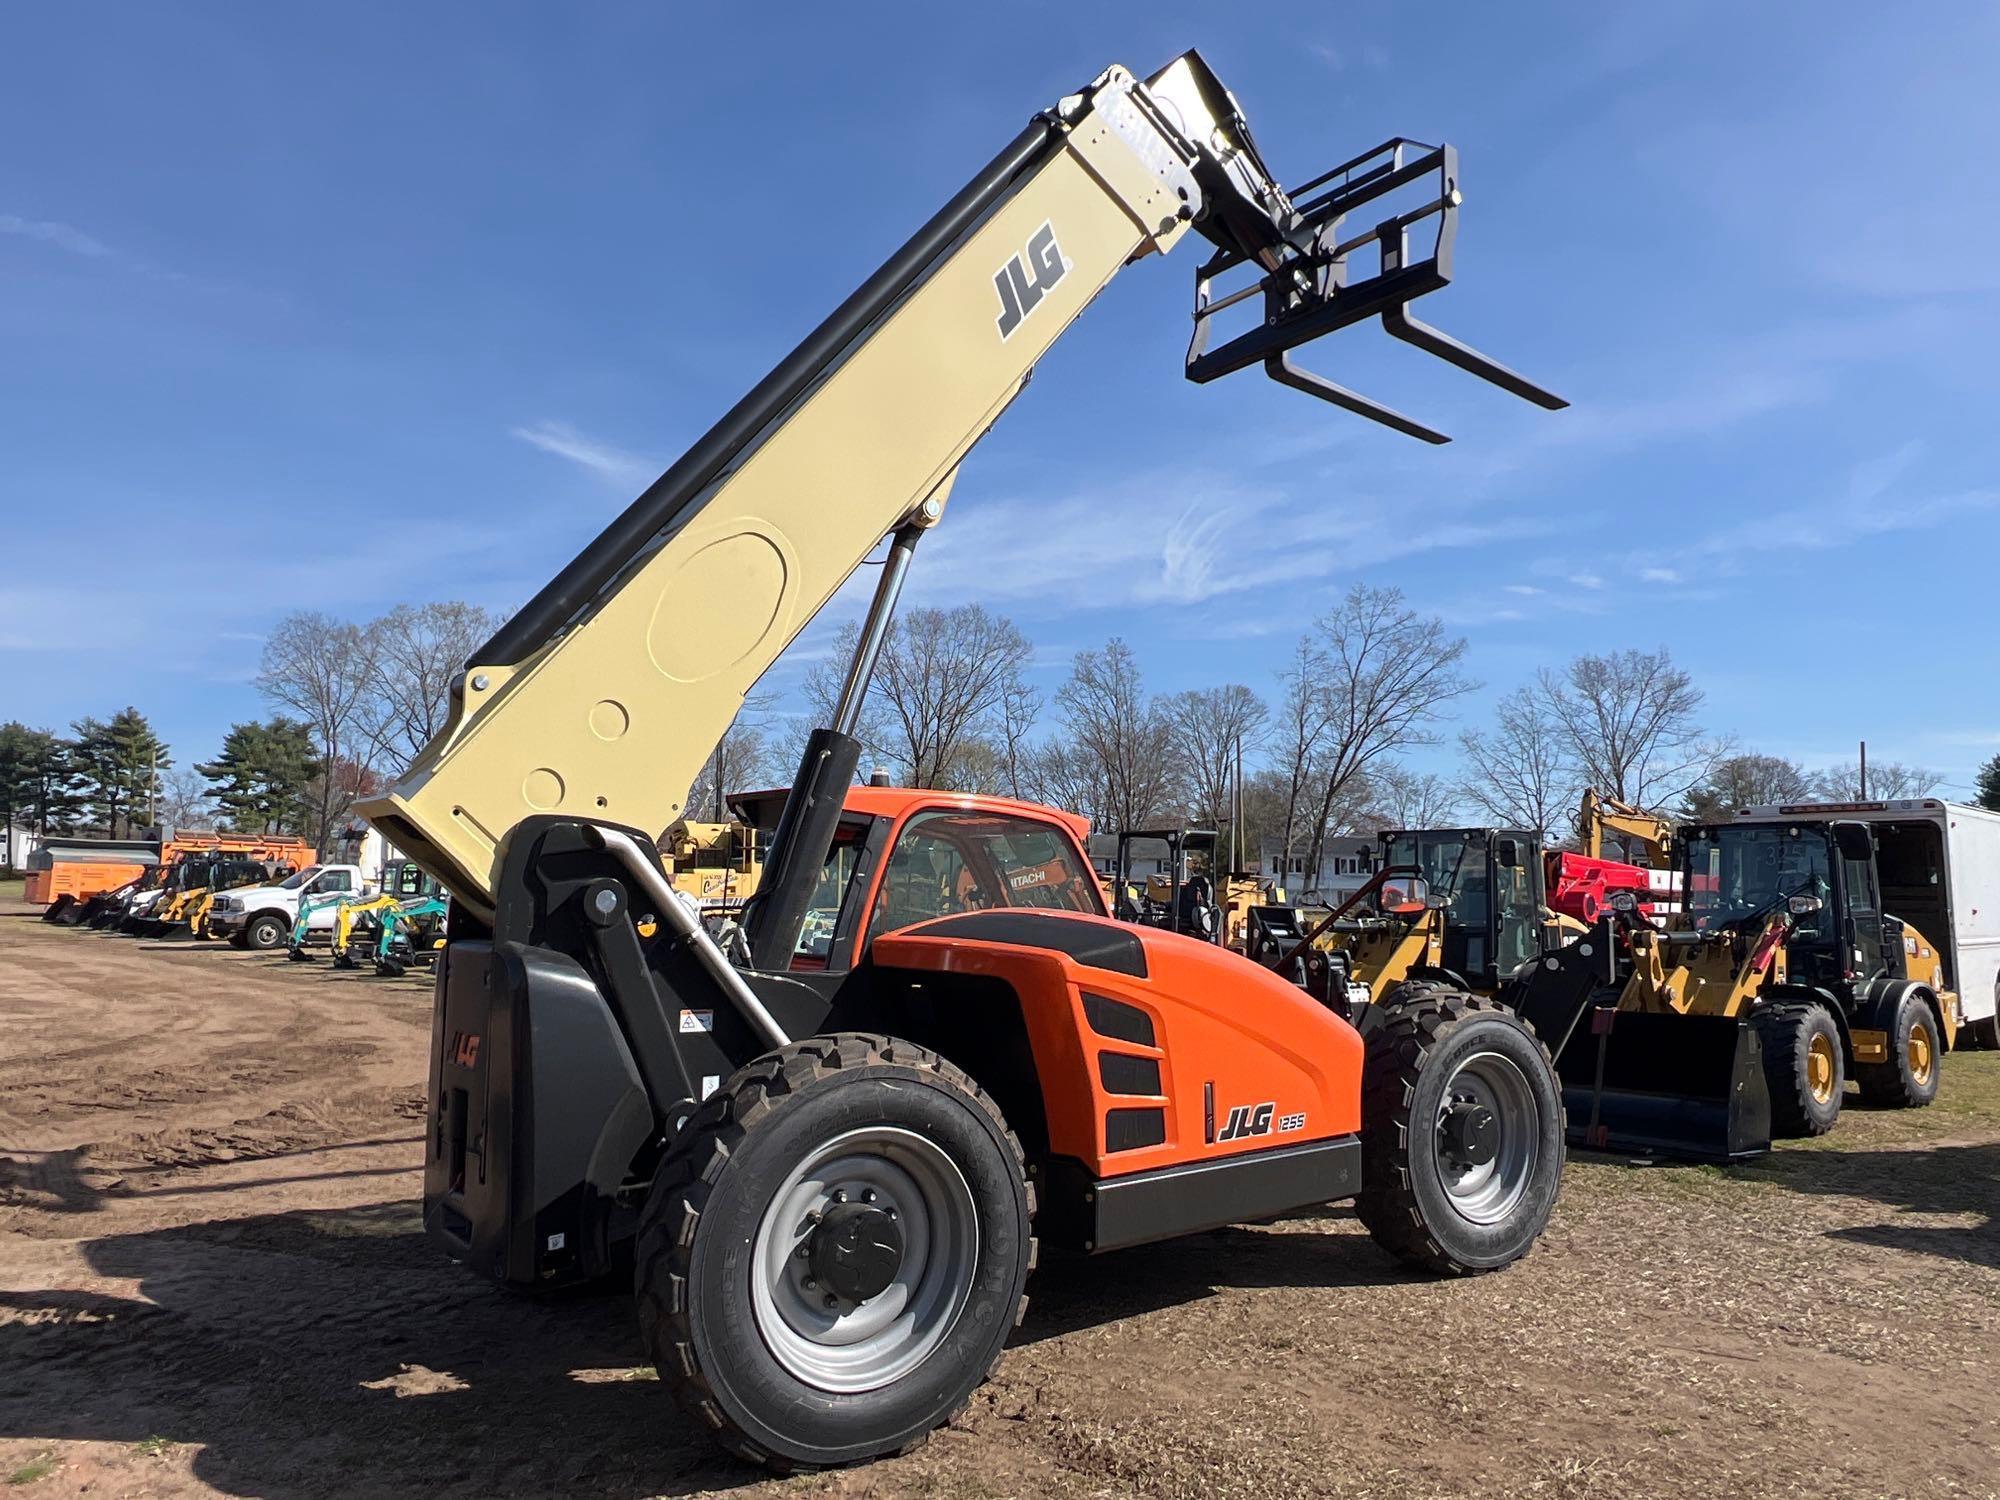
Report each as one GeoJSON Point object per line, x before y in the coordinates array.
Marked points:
{"type": "Point", "coordinates": [1462, 1131]}
{"type": "Point", "coordinates": [1805, 1066]}
{"type": "Point", "coordinates": [265, 932]}
{"type": "Point", "coordinates": [859, 1169]}
{"type": "Point", "coordinates": [1910, 1078]}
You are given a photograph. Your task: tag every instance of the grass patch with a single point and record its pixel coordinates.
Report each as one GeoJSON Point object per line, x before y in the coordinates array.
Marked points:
{"type": "Point", "coordinates": [35, 1468]}
{"type": "Point", "coordinates": [13, 888]}
{"type": "Point", "coordinates": [1890, 1153]}
{"type": "Point", "coordinates": [152, 1447]}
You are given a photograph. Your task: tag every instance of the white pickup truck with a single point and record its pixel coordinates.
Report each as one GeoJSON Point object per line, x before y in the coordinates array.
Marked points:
{"type": "Point", "coordinates": [261, 916]}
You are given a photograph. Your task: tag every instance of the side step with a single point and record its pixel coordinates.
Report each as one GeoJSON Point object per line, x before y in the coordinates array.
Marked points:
{"type": "Point", "coordinates": [1111, 1213]}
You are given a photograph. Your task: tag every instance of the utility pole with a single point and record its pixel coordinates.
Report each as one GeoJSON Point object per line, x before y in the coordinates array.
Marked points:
{"type": "Point", "coordinates": [1864, 770]}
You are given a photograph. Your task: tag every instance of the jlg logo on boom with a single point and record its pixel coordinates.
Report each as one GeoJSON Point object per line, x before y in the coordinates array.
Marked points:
{"type": "Point", "coordinates": [1023, 283]}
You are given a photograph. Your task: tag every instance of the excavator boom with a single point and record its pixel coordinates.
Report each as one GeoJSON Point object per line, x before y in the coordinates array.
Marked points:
{"type": "Point", "coordinates": [601, 697]}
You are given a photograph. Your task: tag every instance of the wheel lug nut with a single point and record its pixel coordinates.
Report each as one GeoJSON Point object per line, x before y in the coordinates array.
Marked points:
{"type": "Point", "coordinates": [811, 1284]}
{"type": "Point", "coordinates": [805, 1251]}
{"type": "Point", "coordinates": [840, 1195]}
{"type": "Point", "coordinates": [868, 1195]}
{"type": "Point", "coordinates": [831, 1300]}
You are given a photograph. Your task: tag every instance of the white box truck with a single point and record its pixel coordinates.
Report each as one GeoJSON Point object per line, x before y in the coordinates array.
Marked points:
{"type": "Point", "coordinates": [1939, 864]}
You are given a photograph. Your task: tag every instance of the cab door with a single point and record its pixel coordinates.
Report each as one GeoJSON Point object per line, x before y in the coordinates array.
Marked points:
{"type": "Point", "coordinates": [1861, 894]}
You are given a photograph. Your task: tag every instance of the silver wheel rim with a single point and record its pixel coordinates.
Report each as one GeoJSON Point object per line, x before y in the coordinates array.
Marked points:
{"type": "Point", "coordinates": [846, 1347]}
{"type": "Point", "coordinates": [1488, 1192]}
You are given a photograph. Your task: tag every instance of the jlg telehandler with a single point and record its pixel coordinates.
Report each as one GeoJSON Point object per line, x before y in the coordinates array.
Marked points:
{"type": "Point", "coordinates": [826, 1162]}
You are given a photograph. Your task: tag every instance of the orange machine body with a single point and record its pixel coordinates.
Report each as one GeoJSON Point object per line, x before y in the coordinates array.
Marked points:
{"type": "Point", "coordinates": [1237, 1061]}
{"type": "Point", "coordinates": [1151, 1050]}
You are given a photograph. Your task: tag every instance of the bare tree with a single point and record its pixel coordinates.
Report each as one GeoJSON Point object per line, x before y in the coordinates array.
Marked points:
{"type": "Point", "coordinates": [1209, 730]}
{"type": "Point", "coordinates": [1402, 798]}
{"type": "Point", "coordinates": [1110, 718]}
{"type": "Point", "coordinates": [944, 682]}
{"type": "Point", "coordinates": [186, 799]}
{"type": "Point", "coordinates": [1747, 780]}
{"type": "Point", "coordinates": [1298, 738]}
{"type": "Point", "coordinates": [323, 669]}
{"type": "Point", "coordinates": [416, 651]}
{"type": "Point", "coordinates": [1066, 775]}
{"type": "Point", "coordinates": [1387, 674]}
{"type": "Point", "coordinates": [743, 756]}
{"type": "Point", "coordinates": [819, 692]}
{"type": "Point", "coordinates": [1020, 706]}
{"type": "Point", "coordinates": [1630, 724]}
{"type": "Point", "coordinates": [1519, 773]}
{"type": "Point", "coordinates": [1888, 780]}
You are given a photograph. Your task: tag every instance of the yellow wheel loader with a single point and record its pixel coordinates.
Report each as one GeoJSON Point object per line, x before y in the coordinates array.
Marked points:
{"type": "Point", "coordinates": [1193, 894]}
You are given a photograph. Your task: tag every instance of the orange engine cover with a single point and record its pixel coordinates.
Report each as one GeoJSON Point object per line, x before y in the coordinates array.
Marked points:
{"type": "Point", "coordinates": [1152, 1049]}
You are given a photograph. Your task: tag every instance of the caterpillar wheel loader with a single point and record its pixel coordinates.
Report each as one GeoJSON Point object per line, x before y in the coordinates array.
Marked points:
{"type": "Point", "coordinates": [1858, 993]}
{"type": "Point", "coordinates": [1741, 1015]}
{"type": "Point", "coordinates": [1465, 907]}
{"type": "Point", "coordinates": [1486, 911]}
{"type": "Point", "coordinates": [829, 1163]}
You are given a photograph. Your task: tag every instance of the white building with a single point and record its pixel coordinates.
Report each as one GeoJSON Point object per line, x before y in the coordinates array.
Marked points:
{"type": "Point", "coordinates": [1342, 867]}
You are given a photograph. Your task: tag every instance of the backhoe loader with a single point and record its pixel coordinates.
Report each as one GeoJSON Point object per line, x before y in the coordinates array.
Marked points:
{"type": "Point", "coordinates": [829, 1161]}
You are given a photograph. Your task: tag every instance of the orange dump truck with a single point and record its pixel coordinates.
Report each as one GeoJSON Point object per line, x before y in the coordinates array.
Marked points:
{"type": "Point", "coordinates": [81, 868]}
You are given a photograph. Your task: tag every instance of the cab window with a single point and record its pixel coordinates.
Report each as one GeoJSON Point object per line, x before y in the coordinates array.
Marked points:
{"type": "Point", "coordinates": [947, 862]}
{"type": "Point", "coordinates": [822, 919]}
{"type": "Point", "coordinates": [334, 880]}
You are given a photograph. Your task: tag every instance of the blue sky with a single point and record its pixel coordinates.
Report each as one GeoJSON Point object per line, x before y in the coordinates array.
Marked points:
{"type": "Point", "coordinates": [338, 307]}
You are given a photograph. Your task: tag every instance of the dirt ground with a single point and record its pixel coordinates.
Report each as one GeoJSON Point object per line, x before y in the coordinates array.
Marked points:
{"type": "Point", "coordinates": [212, 1279]}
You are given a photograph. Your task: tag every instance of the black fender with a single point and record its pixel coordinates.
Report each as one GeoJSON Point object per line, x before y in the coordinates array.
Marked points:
{"type": "Point", "coordinates": [1817, 994]}
{"type": "Point", "coordinates": [1438, 974]}
{"type": "Point", "coordinates": [1878, 1001]}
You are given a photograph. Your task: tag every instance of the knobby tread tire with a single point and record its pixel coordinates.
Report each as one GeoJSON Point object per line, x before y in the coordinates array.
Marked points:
{"type": "Point", "coordinates": [1780, 1031]}
{"type": "Point", "coordinates": [1891, 1084]}
{"type": "Point", "coordinates": [686, 1179]}
{"type": "Point", "coordinates": [1418, 1014]}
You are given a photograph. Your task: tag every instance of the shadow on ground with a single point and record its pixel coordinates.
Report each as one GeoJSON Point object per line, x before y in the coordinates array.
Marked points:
{"type": "Point", "coordinates": [1963, 1181]}
{"type": "Point", "coordinates": [336, 1351]}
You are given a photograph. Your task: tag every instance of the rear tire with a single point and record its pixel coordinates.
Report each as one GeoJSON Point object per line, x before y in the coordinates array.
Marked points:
{"type": "Point", "coordinates": [732, 1269]}
{"type": "Point", "coordinates": [1462, 1131]}
{"type": "Point", "coordinates": [1910, 1078]}
{"type": "Point", "coordinates": [1805, 1066]}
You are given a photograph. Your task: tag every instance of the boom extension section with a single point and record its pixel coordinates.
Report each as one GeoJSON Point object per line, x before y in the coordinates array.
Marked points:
{"type": "Point", "coordinates": [601, 698]}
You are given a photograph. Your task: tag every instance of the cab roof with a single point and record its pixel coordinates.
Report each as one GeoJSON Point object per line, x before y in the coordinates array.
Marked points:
{"type": "Point", "coordinates": [761, 809]}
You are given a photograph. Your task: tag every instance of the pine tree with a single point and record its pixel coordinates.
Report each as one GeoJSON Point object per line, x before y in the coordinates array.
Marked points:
{"type": "Point", "coordinates": [118, 763]}
{"type": "Point", "coordinates": [263, 776]}
{"type": "Point", "coordinates": [1989, 784]}
{"type": "Point", "coordinates": [37, 780]}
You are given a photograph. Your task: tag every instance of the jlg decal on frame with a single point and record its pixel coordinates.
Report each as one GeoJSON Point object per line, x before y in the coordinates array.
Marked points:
{"type": "Point", "coordinates": [1026, 279]}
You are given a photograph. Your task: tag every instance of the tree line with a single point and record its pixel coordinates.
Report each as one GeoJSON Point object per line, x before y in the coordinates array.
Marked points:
{"type": "Point", "coordinates": [1373, 683]}
{"type": "Point", "coordinates": [352, 703]}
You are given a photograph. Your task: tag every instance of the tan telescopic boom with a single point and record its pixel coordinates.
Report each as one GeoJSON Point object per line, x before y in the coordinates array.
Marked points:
{"type": "Point", "coordinates": [602, 697]}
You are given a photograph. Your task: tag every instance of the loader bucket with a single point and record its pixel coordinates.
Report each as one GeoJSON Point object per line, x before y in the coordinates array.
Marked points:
{"type": "Point", "coordinates": [60, 908]}
{"type": "Point", "coordinates": [1690, 1087]}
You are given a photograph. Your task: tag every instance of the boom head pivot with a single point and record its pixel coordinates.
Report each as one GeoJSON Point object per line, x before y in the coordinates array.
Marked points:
{"type": "Point", "coordinates": [1307, 286]}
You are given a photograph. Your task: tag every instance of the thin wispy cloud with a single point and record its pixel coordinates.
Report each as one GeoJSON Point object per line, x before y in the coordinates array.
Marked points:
{"type": "Point", "coordinates": [61, 236]}
{"type": "Point", "coordinates": [611, 463]}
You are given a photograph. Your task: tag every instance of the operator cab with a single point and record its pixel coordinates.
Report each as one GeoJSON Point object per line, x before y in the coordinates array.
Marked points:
{"type": "Point", "coordinates": [1492, 885]}
{"type": "Point", "coordinates": [902, 856]}
{"type": "Point", "coordinates": [1737, 874]}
